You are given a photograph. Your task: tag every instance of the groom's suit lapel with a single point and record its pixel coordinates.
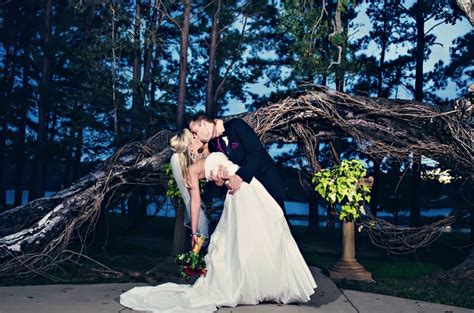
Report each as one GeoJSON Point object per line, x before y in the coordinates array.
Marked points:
{"type": "Point", "coordinates": [219, 145]}
{"type": "Point", "coordinates": [232, 148]}
{"type": "Point", "coordinates": [232, 145]}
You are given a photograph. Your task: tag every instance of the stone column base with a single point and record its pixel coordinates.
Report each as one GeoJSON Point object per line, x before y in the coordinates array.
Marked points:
{"type": "Point", "coordinates": [350, 270]}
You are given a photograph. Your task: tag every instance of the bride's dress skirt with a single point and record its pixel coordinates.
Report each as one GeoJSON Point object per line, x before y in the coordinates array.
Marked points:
{"type": "Point", "coordinates": [251, 258]}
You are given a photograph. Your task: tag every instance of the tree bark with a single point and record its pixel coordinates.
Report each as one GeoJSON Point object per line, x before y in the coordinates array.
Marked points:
{"type": "Point", "coordinates": [416, 166]}
{"type": "Point", "coordinates": [419, 51]}
{"type": "Point", "coordinates": [9, 73]}
{"type": "Point", "coordinates": [33, 226]}
{"type": "Point", "coordinates": [466, 8]}
{"type": "Point", "coordinates": [471, 213]}
{"type": "Point", "coordinates": [313, 216]}
{"type": "Point", "coordinates": [76, 173]}
{"type": "Point", "coordinates": [415, 189]}
{"type": "Point", "coordinates": [374, 194]}
{"type": "Point", "coordinates": [340, 70]}
{"type": "Point", "coordinates": [41, 157]}
{"type": "Point", "coordinates": [137, 90]}
{"type": "Point", "coordinates": [179, 236]}
{"type": "Point", "coordinates": [135, 204]}
{"type": "Point", "coordinates": [68, 167]}
{"type": "Point", "coordinates": [178, 240]}
{"type": "Point", "coordinates": [471, 234]}
{"type": "Point", "coordinates": [183, 64]}
{"type": "Point", "coordinates": [383, 48]}
{"type": "Point", "coordinates": [313, 201]}
{"type": "Point", "coordinates": [155, 65]}
{"type": "Point", "coordinates": [150, 37]}
{"type": "Point", "coordinates": [20, 145]}
{"type": "Point", "coordinates": [211, 106]}
{"type": "Point", "coordinates": [380, 75]}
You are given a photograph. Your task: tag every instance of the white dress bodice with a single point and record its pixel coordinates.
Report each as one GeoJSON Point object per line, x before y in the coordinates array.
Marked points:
{"type": "Point", "coordinates": [214, 160]}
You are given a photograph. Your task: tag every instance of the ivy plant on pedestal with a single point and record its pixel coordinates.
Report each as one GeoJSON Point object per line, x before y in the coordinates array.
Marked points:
{"type": "Point", "coordinates": [347, 190]}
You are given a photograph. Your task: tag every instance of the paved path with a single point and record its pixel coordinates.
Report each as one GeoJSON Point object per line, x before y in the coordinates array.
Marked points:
{"type": "Point", "coordinates": [103, 298]}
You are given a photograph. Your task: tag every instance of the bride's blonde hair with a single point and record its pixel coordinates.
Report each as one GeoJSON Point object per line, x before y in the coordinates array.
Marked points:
{"type": "Point", "coordinates": [180, 145]}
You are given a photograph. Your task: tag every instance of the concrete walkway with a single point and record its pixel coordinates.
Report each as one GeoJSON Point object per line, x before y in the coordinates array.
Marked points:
{"type": "Point", "coordinates": [103, 298]}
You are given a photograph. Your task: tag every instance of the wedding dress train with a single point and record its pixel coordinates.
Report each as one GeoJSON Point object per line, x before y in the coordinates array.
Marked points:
{"type": "Point", "coordinates": [251, 258]}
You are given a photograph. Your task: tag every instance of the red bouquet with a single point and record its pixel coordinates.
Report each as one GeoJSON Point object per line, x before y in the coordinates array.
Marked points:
{"type": "Point", "coordinates": [192, 263]}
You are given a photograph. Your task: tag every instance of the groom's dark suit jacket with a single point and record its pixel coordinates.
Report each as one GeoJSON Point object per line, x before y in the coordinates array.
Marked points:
{"type": "Point", "coordinates": [245, 149]}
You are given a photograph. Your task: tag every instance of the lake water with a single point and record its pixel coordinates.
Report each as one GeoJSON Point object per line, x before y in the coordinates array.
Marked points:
{"type": "Point", "coordinates": [297, 211]}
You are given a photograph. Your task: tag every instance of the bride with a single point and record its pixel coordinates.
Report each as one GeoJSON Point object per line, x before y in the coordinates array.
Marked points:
{"type": "Point", "coordinates": [251, 257]}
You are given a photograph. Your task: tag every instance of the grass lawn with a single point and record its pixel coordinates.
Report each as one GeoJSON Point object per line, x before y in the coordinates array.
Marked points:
{"type": "Point", "coordinates": [409, 276]}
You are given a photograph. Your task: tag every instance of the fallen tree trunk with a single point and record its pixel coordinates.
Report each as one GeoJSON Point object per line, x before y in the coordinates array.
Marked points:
{"type": "Point", "coordinates": [17, 218]}
{"type": "Point", "coordinates": [38, 245]}
{"type": "Point", "coordinates": [462, 272]}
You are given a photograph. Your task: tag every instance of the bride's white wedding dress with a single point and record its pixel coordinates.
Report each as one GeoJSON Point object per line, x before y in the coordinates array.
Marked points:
{"type": "Point", "coordinates": [251, 258]}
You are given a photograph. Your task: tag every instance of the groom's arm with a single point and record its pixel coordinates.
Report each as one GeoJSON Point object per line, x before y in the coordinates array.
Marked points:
{"type": "Point", "coordinates": [254, 151]}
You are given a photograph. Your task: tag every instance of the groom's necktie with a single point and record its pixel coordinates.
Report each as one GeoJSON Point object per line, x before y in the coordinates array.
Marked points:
{"type": "Point", "coordinates": [218, 145]}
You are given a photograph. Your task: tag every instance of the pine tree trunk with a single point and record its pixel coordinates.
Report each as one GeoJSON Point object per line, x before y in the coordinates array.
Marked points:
{"type": "Point", "coordinates": [39, 175]}
{"type": "Point", "coordinates": [136, 214]}
{"type": "Point", "coordinates": [150, 37]}
{"type": "Point", "coordinates": [415, 189]}
{"type": "Point", "coordinates": [416, 167]}
{"type": "Point", "coordinates": [341, 68]}
{"type": "Point", "coordinates": [211, 108]}
{"type": "Point", "coordinates": [179, 236]}
{"type": "Point", "coordinates": [419, 51]}
{"type": "Point", "coordinates": [78, 155]}
{"type": "Point", "coordinates": [183, 64]}
{"type": "Point", "coordinates": [137, 206]}
{"type": "Point", "coordinates": [380, 75]}
{"type": "Point", "coordinates": [471, 234]}
{"type": "Point", "coordinates": [313, 201]}
{"type": "Point", "coordinates": [4, 115]}
{"type": "Point", "coordinates": [68, 171]}
{"type": "Point", "coordinates": [471, 198]}
{"type": "Point", "coordinates": [383, 48]}
{"type": "Point", "coordinates": [313, 216]}
{"type": "Point", "coordinates": [335, 146]}
{"type": "Point", "coordinates": [374, 196]}
{"type": "Point", "coordinates": [136, 98]}
{"type": "Point", "coordinates": [20, 147]}
{"type": "Point", "coordinates": [9, 79]}
{"type": "Point", "coordinates": [155, 65]}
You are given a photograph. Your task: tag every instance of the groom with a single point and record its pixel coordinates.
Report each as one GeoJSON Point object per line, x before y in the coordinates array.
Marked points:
{"type": "Point", "coordinates": [240, 143]}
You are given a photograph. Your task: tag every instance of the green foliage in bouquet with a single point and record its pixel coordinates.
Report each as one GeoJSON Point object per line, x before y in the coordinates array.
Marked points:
{"type": "Point", "coordinates": [192, 263]}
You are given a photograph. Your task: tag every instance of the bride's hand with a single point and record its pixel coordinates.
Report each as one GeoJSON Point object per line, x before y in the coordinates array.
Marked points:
{"type": "Point", "coordinates": [194, 240]}
{"type": "Point", "coordinates": [234, 183]}
{"type": "Point", "coordinates": [221, 175]}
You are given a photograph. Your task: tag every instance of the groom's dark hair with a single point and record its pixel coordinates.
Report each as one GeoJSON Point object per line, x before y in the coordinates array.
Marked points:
{"type": "Point", "coordinates": [201, 117]}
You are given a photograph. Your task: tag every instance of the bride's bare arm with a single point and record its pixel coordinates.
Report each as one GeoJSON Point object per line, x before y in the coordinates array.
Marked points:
{"type": "Point", "coordinates": [195, 195]}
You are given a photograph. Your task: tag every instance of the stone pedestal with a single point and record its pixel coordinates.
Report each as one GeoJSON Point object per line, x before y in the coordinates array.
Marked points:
{"type": "Point", "coordinates": [348, 267]}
